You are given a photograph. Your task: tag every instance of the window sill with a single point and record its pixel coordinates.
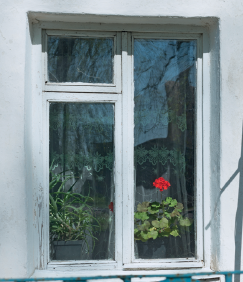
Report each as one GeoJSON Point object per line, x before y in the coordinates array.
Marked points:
{"type": "Point", "coordinates": [135, 266]}
{"type": "Point", "coordinates": [81, 265]}
{"type": "Point", "coordinates": [73, 271]}
{"type": "Point", "coordinates": [172, 265]}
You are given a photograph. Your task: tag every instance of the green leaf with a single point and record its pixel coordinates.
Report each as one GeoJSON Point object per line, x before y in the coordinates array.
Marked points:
{"type": "Point", "coordinates": [173, 203]}
{"type": "Point", "coordinates": [54, 181]}
{"type": "Point", "coordinates": [179, 207]}
{"type": "Point", "coordinates": [153, 234]}
{"type": "Point", "coordinates": [156, 223]}
{"type": "Point", "coordinates": [153, 210]}
{"type": "Point", "coordinates": [53, 203]}
{"type": "Point", "coordinates": [167, 201]}
{"type": "Point", "coordinates": [63, 183]}
{"type": "Point", "coordinates": [167, 214]}
{"type": "Point", "coordinates": [144, 235]}
{"type": "Point", "coordinates": [185, 222]}
{"type": "Point", "coordinates": [141, 227]}
{"type": "Point", "coordinates": [174, 233]}
{"type": "Point", "coordinates": [153, 217]}
{"type": "Point", "coordinates": [136, 230]}
{"type": "Point", "coordinates": [167, 230]}
{"type": "Point", "coordinates": [138, 237]}
{"type": "Point", "coordinates": [144, 226]}
{"type": "Point", "coordinates": [175, 213]}
{"type": "Point", "coordinates": [143, 207]}
{"type": "Point", "coordinates": [165, 233]}
{"type": "Point", "coordinates": [141, 215]}
{"type": "Point", "coordinates": [155, 204]}
{"type": "Point", "coordinates": [163, 222]}
{"type": "Point", "coordinates": [73, 185]}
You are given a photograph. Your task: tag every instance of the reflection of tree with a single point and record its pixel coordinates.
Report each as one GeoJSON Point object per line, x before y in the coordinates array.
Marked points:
{"type": "Point", "coordinates": [164, 129]}
{"type": "Point", "coordinates": [178, 143]}
{"type": "Point", "coordinates": [157, 62]}
{"type": "Point", "coordinates": [80, 59]}
{"type": "Point", "coordinates": [81, 144]}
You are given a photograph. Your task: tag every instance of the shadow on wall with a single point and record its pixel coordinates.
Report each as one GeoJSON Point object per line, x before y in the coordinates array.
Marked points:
{"type": "Point", "coordinates": [239, 212]}
{"type": "Point", "coordinates": [239, 216]}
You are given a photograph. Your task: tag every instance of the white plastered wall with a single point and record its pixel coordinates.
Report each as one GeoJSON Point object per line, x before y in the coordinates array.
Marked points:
{"type": "Point", "coordinates": [19, 208]}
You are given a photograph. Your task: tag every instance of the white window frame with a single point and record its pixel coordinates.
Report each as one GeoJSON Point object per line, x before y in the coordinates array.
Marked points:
{"type": "Point", "coordinates": [114, 87]}
{"type": "Point", "coordinates": [128, 154]}
{"type": "Point", "coordinates": [50, 97]}
{"type": "Point", "coordinates": [122, 96]}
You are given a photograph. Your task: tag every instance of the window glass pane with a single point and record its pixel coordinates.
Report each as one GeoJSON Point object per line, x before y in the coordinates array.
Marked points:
{"type": "Point", "coordinates": [81, 181]}
{"type": "Point", "coordinates": [164, 148]}
{"type": "Point", "coordinates": [87, 60]}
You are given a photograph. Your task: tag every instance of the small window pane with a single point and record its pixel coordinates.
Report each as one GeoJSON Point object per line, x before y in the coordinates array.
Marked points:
{"type": "Point", "coordinates": [82, 188]}
{"type": "Point", "coordinates": [87, 60]}
{"type": "Point", "coordinates": [164, 149]}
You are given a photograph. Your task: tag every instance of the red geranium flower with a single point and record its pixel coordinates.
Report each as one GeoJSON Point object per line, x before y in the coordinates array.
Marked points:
{"type": "Point", "coordinates": [111, 206]}
{"type": "Point", "coordinates": [161, 184]}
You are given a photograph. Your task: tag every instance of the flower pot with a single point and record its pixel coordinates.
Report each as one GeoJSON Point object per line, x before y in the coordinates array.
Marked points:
{"type": "Point", "coordinates": [71, 250]}
{"type": "Point", "coordinates": [152, 249]}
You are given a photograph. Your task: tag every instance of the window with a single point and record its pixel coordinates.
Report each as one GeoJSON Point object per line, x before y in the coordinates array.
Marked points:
{"type": "Point", "coordinates": [122, 110]}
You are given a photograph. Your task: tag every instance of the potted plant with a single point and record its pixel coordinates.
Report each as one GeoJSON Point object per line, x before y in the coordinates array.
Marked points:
{"type": "Point", "coordinates": [159, 219]}
{"type": "Point", "coordinates": [72, 224]}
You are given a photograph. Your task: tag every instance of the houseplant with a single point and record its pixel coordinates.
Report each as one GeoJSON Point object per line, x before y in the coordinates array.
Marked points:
{"type": "Point", "coordinates": [71, 220]}
{"type": "Point", "coordinates": [159, 219]}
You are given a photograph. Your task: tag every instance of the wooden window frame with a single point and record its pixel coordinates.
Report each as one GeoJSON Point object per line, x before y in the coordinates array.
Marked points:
{"type": "Point", "coordinates": [120, 94]}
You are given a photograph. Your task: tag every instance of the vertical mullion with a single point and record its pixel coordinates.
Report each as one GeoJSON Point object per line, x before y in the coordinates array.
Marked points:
{"type": "Point", "coordinates": [128, 126]}
{"type": "Point", "coordinates": [117, 62]}
{"type": "Point", "coordinates": [118, 183]}
{"type": "Point", "coordinates": [206, 150]}
{"type": "Point", "coordinates": [38, 150]}
{"type": "Point", "coordinates": [46, 107]}
{"type": "Point", "coordinates": [199, 156]}
{"type": "Point", "coordinates": [130, 41]}
{"type": "Point", "coordinates": [44, 58]}
{"type": "Point", "coordinates": [45, 128]}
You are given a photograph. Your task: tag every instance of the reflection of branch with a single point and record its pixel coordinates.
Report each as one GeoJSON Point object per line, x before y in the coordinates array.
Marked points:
{"type": "Point", "coordinates": [53, 76]}
{"type": "Point", "coordinates": [86, 74]}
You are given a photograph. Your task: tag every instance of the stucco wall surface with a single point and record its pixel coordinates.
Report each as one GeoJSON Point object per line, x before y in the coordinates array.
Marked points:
{"type": "Point", "coordinates": [17, 216]}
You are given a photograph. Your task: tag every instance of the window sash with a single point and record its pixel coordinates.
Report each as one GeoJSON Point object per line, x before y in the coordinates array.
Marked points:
{"type": "Point", "coordinates": [94, 98]}
{"type": "Point", "coordinates": [114, 87]}
{"type": "Point", "coordinates": [128, 151]}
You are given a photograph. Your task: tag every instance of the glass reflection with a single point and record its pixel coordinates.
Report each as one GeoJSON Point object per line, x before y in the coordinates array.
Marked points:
{"type": "Point", "coordinates": [87, 60]}
{"type": "Point", "coordinates": [164, 137]}
{"type": "Point", "coordinates": [81, 181]}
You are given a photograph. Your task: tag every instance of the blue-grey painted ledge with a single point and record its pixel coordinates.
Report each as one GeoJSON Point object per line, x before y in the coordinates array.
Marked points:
{"type": "Point", "coordinates": [127, 278]}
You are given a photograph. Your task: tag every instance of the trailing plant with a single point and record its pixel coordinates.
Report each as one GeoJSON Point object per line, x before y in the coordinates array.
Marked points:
{"type": "Point", "coordinates": [70, 214]}
{"type": "Point", "coordinates": [154, 219]}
